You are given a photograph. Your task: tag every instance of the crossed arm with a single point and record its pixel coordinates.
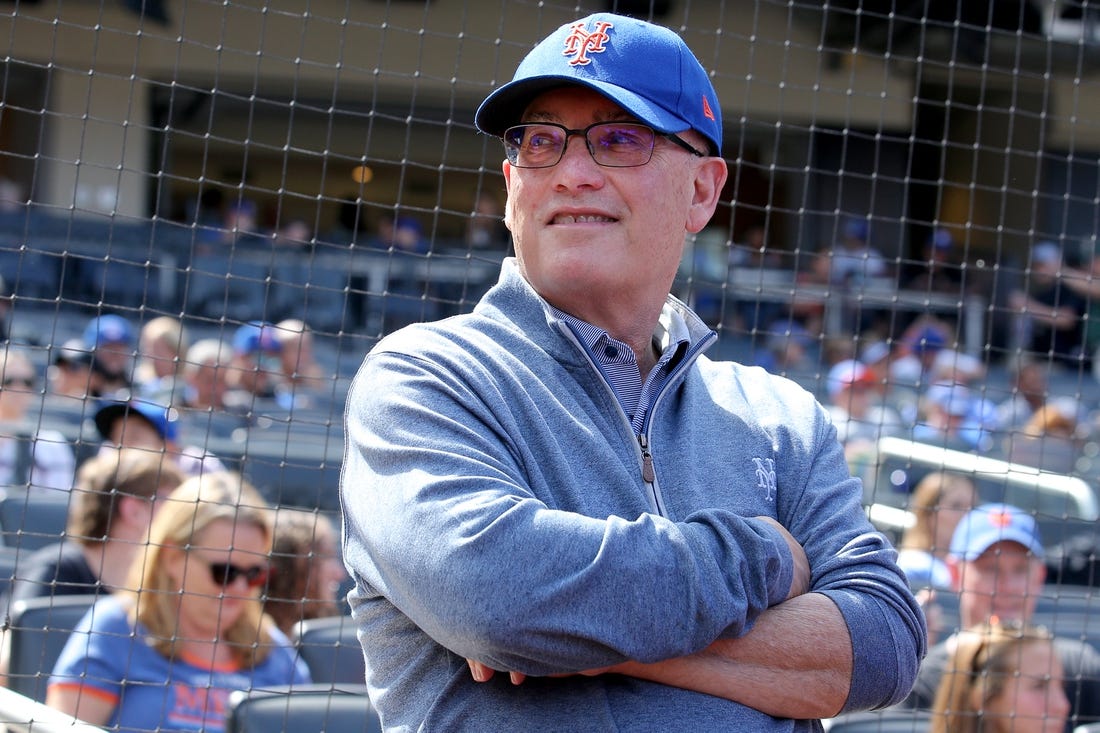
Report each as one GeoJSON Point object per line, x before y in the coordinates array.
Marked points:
{"type": "Point", "coordinates": [796, 662]}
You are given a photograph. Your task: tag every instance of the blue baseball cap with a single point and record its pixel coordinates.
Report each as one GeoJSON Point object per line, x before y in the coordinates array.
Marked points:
{"type": "Point", "coordinates": [988, 524]}
{"type": "Point", "coordinates": [108, 329]}
{"type": "Point", "coordinates": [164, 419]}
{"type": "Point", "coordinates": [928, 340]}
{"type": "Point", "coordinates": [256, 336]}
{"type": "Point", "coordinates": [856, 228]}
{"type": "Point", "coordinates": [646, 69]}
{"type": "Point", "coordinates": [941, 239]}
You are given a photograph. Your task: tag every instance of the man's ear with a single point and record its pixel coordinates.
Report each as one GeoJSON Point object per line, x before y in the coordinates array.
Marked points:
{"type": "Point", "coordinates": [710, 178]}
{"type": "Point", "coordinates": [1040, 571]}
{"type": "Point", "coordinates": [506, 167]}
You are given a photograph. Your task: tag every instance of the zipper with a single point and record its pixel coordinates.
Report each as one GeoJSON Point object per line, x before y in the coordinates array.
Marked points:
{"type": "Point", "coordinates": [647, 460]}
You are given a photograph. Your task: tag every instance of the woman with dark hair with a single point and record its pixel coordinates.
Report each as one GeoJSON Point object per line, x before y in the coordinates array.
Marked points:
{"type": "Point", "coordinates": [307, 571]}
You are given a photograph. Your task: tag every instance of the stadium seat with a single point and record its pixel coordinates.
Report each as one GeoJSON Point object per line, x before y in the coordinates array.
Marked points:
{"type": "Point", "coordinates": [302, 708]}
{"type": "Point", "coordinates": [37, 632]}
{"type": "Point", "coordinates": [32, 519]}
{"type": "Point", "coordinates": [891, 720]}
{"type": "Point", "coordinates": [302, 473]}
{"type": "Point", "coordinates": [30, 273]}
{"type": "Point", "coordinates": [322, 289]}
{"type": "Point", "coordinates": [226, 285]}
{"type": "Point", "coordinates": [330, 649]}
{"type": "Point", "coordinates": [9, 556]}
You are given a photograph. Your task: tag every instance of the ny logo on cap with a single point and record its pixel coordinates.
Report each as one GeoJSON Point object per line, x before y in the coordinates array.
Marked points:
{"type": "Point", "coordinates": [579, 43]}
{"type": "Point", "coordinates": [1000, 519]}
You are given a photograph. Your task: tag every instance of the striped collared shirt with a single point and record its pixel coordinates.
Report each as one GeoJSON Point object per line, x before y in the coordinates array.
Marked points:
{"type": "Point", "coordinates": [620, 368]}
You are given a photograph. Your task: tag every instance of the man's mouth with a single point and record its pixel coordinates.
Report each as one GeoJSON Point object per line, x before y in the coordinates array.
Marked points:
{"type": "Point", "coordinates": [580, 219]}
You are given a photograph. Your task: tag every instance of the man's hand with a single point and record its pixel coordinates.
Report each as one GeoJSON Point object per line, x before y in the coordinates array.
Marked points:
{"type": "Point", "coordinates": [800, 582]}
{"type": "Point", "coordinates": [482, 673]}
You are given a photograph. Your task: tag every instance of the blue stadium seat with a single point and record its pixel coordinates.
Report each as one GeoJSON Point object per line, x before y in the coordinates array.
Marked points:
{"type": "Point", "coordinates": [224, 285]}
{"type": "Point", "coordinates": [38, 630]}
{"type": "Point", "coordinates": [330, 649]}
{"type": "Point", "coordinates": [302, 708]}
{"type": "Point", "coordinates": [322, 294]}
{"type": "Point", "coordinates": [31, 273]}
{"type": "Point", "coordinates": [32, 519]}
{"type": "Point", "coordinates": [9, 557]}
{"type": "Point", "coordinates": [305, 478]}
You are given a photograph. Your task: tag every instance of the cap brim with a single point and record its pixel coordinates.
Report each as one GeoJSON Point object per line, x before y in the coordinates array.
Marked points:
{"type": "Point", "coordinates": [989, 539]}
{"type": "Point", "coordinates": [504, 107]}
{"type": "Point", "coordinates": [106, 417]}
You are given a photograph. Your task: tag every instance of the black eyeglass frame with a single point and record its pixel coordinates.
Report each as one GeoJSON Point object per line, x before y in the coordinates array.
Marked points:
{"type": "Point", "coordinates": [511, 150]}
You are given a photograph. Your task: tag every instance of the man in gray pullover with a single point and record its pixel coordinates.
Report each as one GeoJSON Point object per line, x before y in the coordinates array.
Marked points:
{"type": "Point", "coordinates": [563, 487]}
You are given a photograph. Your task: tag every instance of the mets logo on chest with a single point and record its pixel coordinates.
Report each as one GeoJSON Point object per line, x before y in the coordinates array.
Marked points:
{"type": "Point", "coordinates": [580, 42]}
{"type": "Point", "coordinates": [765, 477]}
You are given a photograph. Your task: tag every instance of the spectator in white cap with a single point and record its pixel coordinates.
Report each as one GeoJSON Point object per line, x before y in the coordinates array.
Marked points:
{"type": "Point", "coordinates": [997, 569]}
{"type": "Point", "coordinates": [856, 406]}
{"type": "Point", "coordinates": [69, 374]}
{"type": "Point", "coordinates": [1050, 316]}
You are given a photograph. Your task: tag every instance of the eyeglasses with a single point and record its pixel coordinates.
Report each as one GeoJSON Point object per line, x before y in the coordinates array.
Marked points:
{"type": "Point", "coordinates": [224, 573]}
{"type": "Point", "coordinates": [611, 144]}
{"type": "Point", "coordinates": [25, 382]}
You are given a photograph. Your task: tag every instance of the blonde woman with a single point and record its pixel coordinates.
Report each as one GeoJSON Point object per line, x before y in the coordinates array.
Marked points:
{"type": "Point", "coordinates": [165, 653]}
{"type": "Point", "coordinates": [1002, 678]}
{"type": "Point", "coordinates": [938, 504]}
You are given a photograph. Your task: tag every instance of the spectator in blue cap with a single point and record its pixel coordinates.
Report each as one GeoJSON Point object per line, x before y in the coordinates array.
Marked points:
{"type": "Point", "coordinates": [562, 482]}
{"type": "Point", "coordinates": [149, 426]}
{"type": "Point", "coordinates": [997, 571]}
{"type": "Point", "coordinates": [112, 341]}
{"type": "Point", "coordinates": [255, 367]}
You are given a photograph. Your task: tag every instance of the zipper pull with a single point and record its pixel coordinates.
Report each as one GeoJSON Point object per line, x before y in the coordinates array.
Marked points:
{"type": "Point", "coordinates": [647, 461]}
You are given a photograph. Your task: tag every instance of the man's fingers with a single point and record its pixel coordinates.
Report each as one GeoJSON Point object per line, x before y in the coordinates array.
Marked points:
{"type": "Point", "coordinates": [479, 671]}
{"type": "Point", "coordinates": [482, 673]}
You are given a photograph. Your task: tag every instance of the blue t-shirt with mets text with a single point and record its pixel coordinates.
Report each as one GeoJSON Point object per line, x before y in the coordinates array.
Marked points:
{"type": "Point", "coordinates": [106, 657]}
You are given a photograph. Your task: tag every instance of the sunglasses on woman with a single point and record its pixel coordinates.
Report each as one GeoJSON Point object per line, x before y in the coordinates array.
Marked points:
{"type": "Point", "coordinates": [225, 573]}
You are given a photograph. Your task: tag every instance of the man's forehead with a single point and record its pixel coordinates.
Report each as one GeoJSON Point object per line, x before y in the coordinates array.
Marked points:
{"type": "Point", "coordinates": [551, 105]}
